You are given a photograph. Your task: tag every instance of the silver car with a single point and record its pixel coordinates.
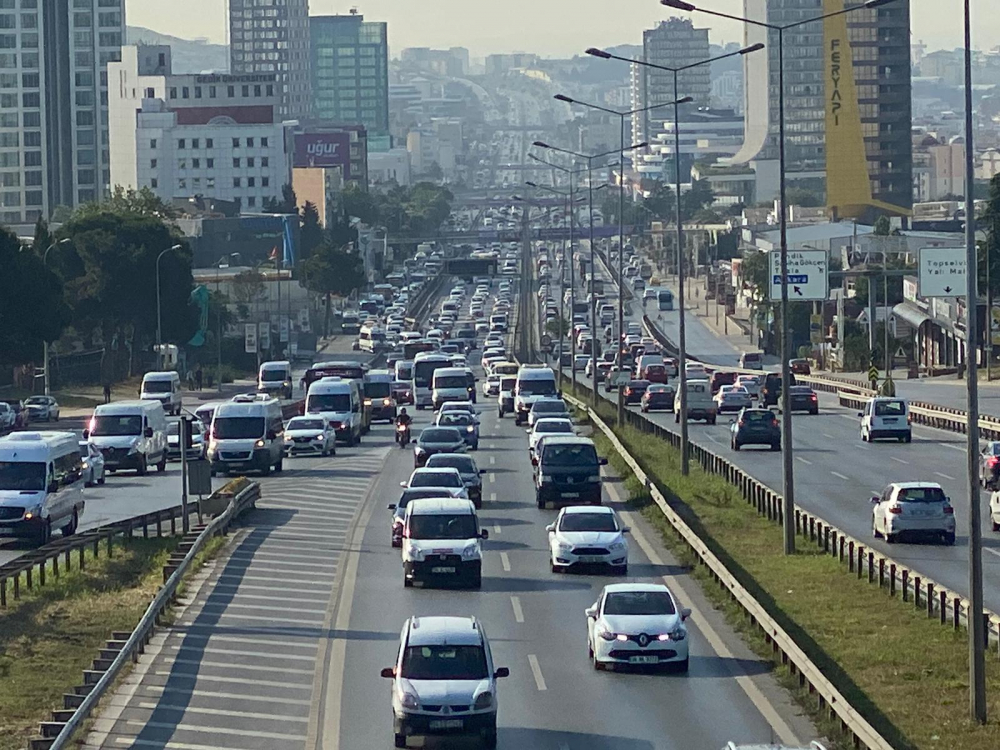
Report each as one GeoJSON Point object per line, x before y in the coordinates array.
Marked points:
{"type": "Point", "coordinates": [913, 509]}
{"type": "Point", "coordinates": [93, 464]}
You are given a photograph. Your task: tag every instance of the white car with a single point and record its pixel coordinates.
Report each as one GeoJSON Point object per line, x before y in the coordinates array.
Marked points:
{"type": "Point", "coordinates": [491, 386]}
{"type": "Point", "coordinates": [7, 416]}
{"type": "Point", "coordinates": [587, 535]}
{"type": "Point", "coordinates": [42, 409]}
{"type": "Point", "coordinates": [93, 464]}
{"type": "Point", "coordinates": [444, 661]}
{"type": "Point", "coordinates": [637, 624]}
{"type": "Point", "coordinates": [548, 426]}
{"type": "Point", "coordinates": [914, 509]}
{"type": "Point", "coordinates": [441, 477]}
{"type": "Point", "coordinates": [750, 383]}
{"type": "Point", "coordinates": [310, 434]}
{"type": "Point", "coordinates": [732, 398]}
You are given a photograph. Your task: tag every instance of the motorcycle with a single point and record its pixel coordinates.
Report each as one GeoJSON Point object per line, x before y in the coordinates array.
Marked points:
{"type": "Point", "coordinates": [403, 435]}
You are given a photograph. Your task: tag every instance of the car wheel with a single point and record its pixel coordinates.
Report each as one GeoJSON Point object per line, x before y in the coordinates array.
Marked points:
{"type": "Point", "coordinates": [995, 525]}
{"type": "Point", "coordinates": [949, 539]}
{"type": "Point", "coordinates": [101, 480]}
{"type": "Point", "coordinates": [476, 581]}
{"type": "Point", "coordinates": [736, 445]}
{"type": "Point", "coordinates": [266, 470]}
{"type": "Point", "coordinates": [141, 471]}
{"type": "Point", "coordinates": [280, 465]}
{"type": "Point", "coordinates": [814, 412]}
{"type": "Point", "coordinates": [598, 666]}
{"type": "Point", "coordinates": [908, 438]}
{"type": "Point", "coordinates": [490, 737]}
{"type": "Point", "coordinates": [540, 503]}
{"type": "Point", "coordinates": [70, 528]}
{"type": "Point", "coordinates": [45, 533]}
{"type": "Point", "coordinates": [890, 538]}
{"type": "Point", "coordinates": [681, 667]}
{"type": "Point", "coordinates": [399, 739]}
{"type": "Point", "coordinates": [776, 446]}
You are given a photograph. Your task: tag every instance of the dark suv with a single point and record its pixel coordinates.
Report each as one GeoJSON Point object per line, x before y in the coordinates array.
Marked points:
{"type": "Point", "coordinates": [770, 390]}
{"type": "Point", "coordinates": [568, 469]}
{"type": "Point", "coordinates": [755, 427]}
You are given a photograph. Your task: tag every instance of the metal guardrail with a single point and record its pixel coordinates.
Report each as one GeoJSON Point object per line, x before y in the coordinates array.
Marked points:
{"type": "Point", "coordinates": [163, 599]}
{"type": "Point", "coordinates": [809, 675]}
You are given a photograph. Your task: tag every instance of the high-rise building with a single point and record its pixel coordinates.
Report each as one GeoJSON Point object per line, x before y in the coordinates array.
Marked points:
{"type": "Point", "coordinates": [847, 126]}
{"type": "Point", "coordinates": [674, 43]}
{"type": "Point", "coordinates": [350, 72]}
{"type": "Point", "coordinates": [272, 36]}
{"type": "Point", "coordinates": [53, 104]}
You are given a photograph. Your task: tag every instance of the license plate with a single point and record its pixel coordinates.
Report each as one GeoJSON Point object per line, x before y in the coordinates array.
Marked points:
{"type": "Point", "coordinates": [445, 724]}
{"type": "Point", "coordinates": [6, 531]}
{"type": "Point", "coordinates": [443, 569]}
{"type": "Point", "coordinates": [571, 494]}
{"type": "Point", "coordinates": [643, 659]}
{"type": "Point", "coordinates": [889, 420]}
{"type": "Point", "coordinates": [590, 558]}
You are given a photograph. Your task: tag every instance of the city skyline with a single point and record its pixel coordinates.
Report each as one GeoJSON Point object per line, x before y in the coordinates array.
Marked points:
{"type": "Point", "coordinates": [587, 23]}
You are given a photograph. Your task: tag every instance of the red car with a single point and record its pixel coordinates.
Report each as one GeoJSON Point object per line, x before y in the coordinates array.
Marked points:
{"type": "Point", "coordinates": [655, 373]}
{"type": "Point", "coordinates": [720, 379]}
{"type": "Point", "coordinates": [799, 366]}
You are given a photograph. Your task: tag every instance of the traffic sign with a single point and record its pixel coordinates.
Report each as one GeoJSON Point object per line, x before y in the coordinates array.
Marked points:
{"type": "Point", "coordinates": [264, 336]}
{"type": "Point", "coordinates": [942, 272]}
{"type": "Point", "coordinates": [250, 338]}
{"type": "Point", "coordinates": [808, 275]}
{"type": "Point", "coordinates": [873, 373]}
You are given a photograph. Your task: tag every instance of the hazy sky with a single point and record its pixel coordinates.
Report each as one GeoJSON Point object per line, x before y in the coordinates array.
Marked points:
{"type": "Point", "coordinates": [549, 27]}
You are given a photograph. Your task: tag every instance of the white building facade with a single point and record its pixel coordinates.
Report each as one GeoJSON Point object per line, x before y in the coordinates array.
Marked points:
{"type": "Point", "coordinates": [217, 136]}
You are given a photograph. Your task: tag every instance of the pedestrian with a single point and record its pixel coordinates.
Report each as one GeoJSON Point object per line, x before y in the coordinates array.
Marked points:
{"type": "Point", "coordinates": [198, 377]}
{"type": "Point", "coordinates": [190, 380]}
{"type": "Point", "coordinates": [107, 392]}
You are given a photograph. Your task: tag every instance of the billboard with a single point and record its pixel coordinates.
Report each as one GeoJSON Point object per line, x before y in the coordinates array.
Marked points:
{"type": "Point", "coordinates": [332, 149]}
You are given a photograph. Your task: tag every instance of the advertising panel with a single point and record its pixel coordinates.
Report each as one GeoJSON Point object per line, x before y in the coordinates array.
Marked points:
{"type": "Point", "coordinates": [324, 150]}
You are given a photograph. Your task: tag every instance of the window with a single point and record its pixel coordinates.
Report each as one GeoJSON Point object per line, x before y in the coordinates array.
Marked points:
{"type": "Point", "coordinates": [31, 138]}
{"type": "Point", "coordinates": [84, 98]}
{"type": "Point", "coordinates": [236, 142]}
{"type": "Point", "coordinates": [152, 163]}
{"type": "Point", "coordinates": [181, 143]}
{"type": "Point", "coordinates": [246, 91]}
{"type": "Point", "coordinates": [250, 161]}
{"type": "Point", "coordinates": [263, 142]}
{"type": "Point", "coordinates": [196, 164]}
{"type": "Point", "coordinates": [195, 142]}
{"type": "Point", "coordinates": [32, 99]}
{"type": "Point", "coordinates": [270, 90]}
{"type": "Point", "coordinates": [152, 143]}
{"type": "Point", "coordinates": [173, 92]}
{"type": "Point", "coordinates": [264, 161]}
{"type": "Point", "coordinates": [209, 143]}
{"type": "Point", "coordinates": [10, 159]}
{"type": "Point", "coordinates": [265, 181]}
{"type": "Point", "coordinates": [33, 179]}
{"type": "Point", "coordinates": [83, 137]}
{"type": "Point", "coordinates": [84, 117]}
{"type": "Point", "coordinates": [10, 179]}
{"type": "Point", "coordinates": [211, 92]}
{"type": "Point", "coordinates": [29, 60]}
{"type": "Point", "coordinates": [8, 119]}
{"type": "Point", "coordinates": [210, 183]}
{"type": "Point", "coordinates": [256, 90]}
{"type": "Point", "coordinates": [236, 182]}
{"type": "Point", "coordinates": [182, 163]}
{"type": "Point", "coordinates": [196, 183]}
{"type": "Point", "coordinates": [231, 91]}
{"type": "Point", "coordinates": [182, 184]}
{"type": "Point", "coordinates": [34, 119]}
{"type": "Point", "coordinates": [236, 163]}
{"type": "Point", "coordinates": [197, 92]}
{"type": "Point", "coordinates": [249, 142]}
{"type": "Point", "coordinates": [10, 140]}
{"type": "Point", "coordinates": [185, 92]}
{"type": "Point", "coordinates": [251, 182]}
{"type": "Point", "coordinates": [251, 201]}
{"type": "Point", "coordinates": [210, 163]}
{"type": "Point", "coordinates": [34, 158]}
{"type": "Point", "coordinates": [29, 80]}
{"type": "Point", "coordinates": [85, 176]}
{"type": "Point", "coordinates": [154, 183]}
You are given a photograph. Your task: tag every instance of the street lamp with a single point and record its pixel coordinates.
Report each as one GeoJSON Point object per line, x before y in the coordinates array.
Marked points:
{"type": "Point", "coordinates": [681, 332]}
{"type": "Point", "coordinates": [45, 342]}
{"type": "Point", "coordinates": [590, 222]}
{"type": "Point", "coordinates": [622, 115]}
{"type": "Point", "coordinates": [787, 456]}
{"type": "Point", "coordinates": [159, 335]}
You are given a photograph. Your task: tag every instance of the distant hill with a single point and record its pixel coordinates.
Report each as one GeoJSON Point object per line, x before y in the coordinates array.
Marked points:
{"type": "Point", "coordinates": [189, 55]}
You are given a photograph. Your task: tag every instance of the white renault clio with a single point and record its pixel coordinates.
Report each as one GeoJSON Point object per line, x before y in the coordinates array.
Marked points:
{"type": "Point", "coordinates": [444, 681]}
{"type": "Point", "coordinates": [637, 624]}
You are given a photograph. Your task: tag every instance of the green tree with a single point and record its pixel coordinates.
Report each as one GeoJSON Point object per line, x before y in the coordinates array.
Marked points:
{"type": "Point", "coordinates": [802, 197]}
{"type": "Point", "coordinates": [129, 201]}
{"type": "Point", "coordinates": [311, 235]}
{"type": "Point", "coordinates": [360, 203]}
{"type": "Point", "coordinates": [660, 202]}
{"type": "Point", "coordinates": [333, 271]}
{"type": "Point", "coordinates": [698, 196]}
{"type": "Point", "coordinates": [286, 204]}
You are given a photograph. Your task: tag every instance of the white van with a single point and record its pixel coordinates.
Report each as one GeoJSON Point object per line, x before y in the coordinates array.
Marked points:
{"type": "Point", "coordinates": [130, 435]}
{"type": "Point", "coordinates": [339, 402]}
{"type": "Point", "coordinates": [164, 387]}
{"type": "Point", "coordinates": [247, 436]}
{"type": "Point", "coordinates": [533, 383]}
{"type": "Point", "coordinates": [450, 384]}
{"type": "Point", "coordinates": [885, 417]}
{"type": "Point", "coordinates": [41, 484]}
{"type": "Point", "coordinates": [275, 378]}
{"type": "Point", "coordinates": [371, 338]}
{"type": "Point", "coordinates": [700, 404]}
{"type": "Point", "coordinates": [448, 527]}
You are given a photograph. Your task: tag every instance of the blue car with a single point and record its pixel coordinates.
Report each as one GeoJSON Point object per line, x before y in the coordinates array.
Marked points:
{"type": "Point", "coordinates": [464, 422]}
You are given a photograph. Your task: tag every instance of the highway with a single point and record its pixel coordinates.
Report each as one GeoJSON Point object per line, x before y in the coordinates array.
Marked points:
{"type": "Point", "coordinates": [836, 473]}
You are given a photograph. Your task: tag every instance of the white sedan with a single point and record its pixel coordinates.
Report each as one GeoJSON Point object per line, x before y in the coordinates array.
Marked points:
{"type": "Point", "coordinates": [491, 386]}
{"type": "Point", "coordinates": [637, 624]}
{"type": "Point", "coordinates": [548, 426]}
{"type": "Point", "coordinates": [93, 464]}
{"type": "Point", "coordinates": [732, 398]}
{"type": "Point", "coordinates": [310, 435]}
{"type": "Point", "coordinates": [587, 535]}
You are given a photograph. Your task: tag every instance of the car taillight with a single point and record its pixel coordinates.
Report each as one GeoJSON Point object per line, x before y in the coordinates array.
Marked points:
{"type": "Point", "coordinates": [813, 397]}
{"type": "Point", "coordinates": [741, 423]}
{"type": "Point", "coordinates": [992, 461]}
{"type": "Point", "coordinates": [949, 510]}
{"type": "Point", "coordinates": [895, 509]}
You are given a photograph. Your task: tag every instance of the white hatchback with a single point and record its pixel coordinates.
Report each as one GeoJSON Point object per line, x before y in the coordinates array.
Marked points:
{"type": "Point", "coordinates": [587, 535]}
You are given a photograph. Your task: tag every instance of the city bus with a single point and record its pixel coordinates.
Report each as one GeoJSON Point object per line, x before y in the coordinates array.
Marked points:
{"type": "Point", "coordinates": [424, 365]}
{"type": "Point", "coordinates": [344, 369]}
{"type": "Point", "coordinates": [665, 299]}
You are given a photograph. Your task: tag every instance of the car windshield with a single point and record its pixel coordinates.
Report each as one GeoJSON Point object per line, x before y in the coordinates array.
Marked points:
{"type": "Point", "coordinates": [549, 407]}
{"type": "Point", "coordinates": [553, 426]}
{"type": "Point", "coordinates": [435, 479]}
{"type": "Point", "coordinates": [444, 461]}
{"type": "Point", "coordinates": [442, 526]}
{"type": "Point", "coordinates": [537, 388]}
{"type": "Point", "coordinates": [451, 381]}
{"type": "Point", "coordinates": [36, 401]}
{"type": "Point", "coordinates": [993, 449]}
{"type": "Point", "coordinates": [22, 475]}
{"type": "Point", "coordinates": [921, 495]}
{"type": "Point", "coordinates": [758, 416]}
{"type": "Point", "coordinates": [379, 389]}
{"type": "Point", "coordinates": [85, 450]}
{"type": "Point", "coordinates": [433, 435]}
{"type": "Point", "coordinates": [507, 384]}
{"type": "Point", "coordinates": [588, 522]}
{"type": "Point", "coordinates": [890, 408]}
{"type": "Point", "coordinates": [454, 417]}
{"type": "Point", "coordinates": [639, 603]}
{"type": "Point", "coordinates": [306, 424]}
{"type": "Point", "coordinates": [156, 386]}
{"type": "Point", "coordinates": [444, 663]}
{"type": "Point", "coordinates": [271, 376]}
{"type": "Point", "coordinates": [338, 402]}
{"type": "Point", "coordinates": [110, 425]}
{"type": "Point", "coordinates": [237, 428]}
{"type": "Point", "coordinates": [569, 455]}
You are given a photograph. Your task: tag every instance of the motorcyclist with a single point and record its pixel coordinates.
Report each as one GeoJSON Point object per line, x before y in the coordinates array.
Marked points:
{"type": "Point", "coordinates": [403, 420]}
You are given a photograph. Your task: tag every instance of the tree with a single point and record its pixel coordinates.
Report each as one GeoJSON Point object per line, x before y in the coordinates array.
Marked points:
{"type": "Point", "coordinates": [129, 201]}
{"type": "Point", "coordinates": [332, 271]}
{"type": "Point", "coordinates": [989, 220]}
{"type": "Point", "coordinates": [360, 203]}
{"type": "Point", "coordinates": [698, 196]}
{"type": "Point", "coordinates": [311, 235]}
{"type": "Point", "coordinates": [660, 202]}
{"type": "Point", "coordinates": [248, 289]}
{"type": "Point", "coordinates": [802, 197]}
{"type": "Point", "coordinates": [882, 227]}
{"type": "Point", "coordinates": [286, 204]}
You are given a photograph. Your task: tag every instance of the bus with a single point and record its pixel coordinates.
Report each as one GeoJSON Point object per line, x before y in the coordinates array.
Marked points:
{"type": "Point", "coordinates": [412, 348]}
{"type": "Point", "coordinates": [424, 365]}
{"type": "Point", "coordinates": [665, 299]}
{"type": "Point", "coordinates": [344, 369]}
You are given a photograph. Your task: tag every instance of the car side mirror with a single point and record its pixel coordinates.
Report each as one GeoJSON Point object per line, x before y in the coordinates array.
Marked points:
{"type": "Point", "coordinates": [391, 506]}
{"type": "Point", "coordinates": [550, 528]}
{"type": "Point", "coordinates": [482, 471]}
{"type": "Point", "coordinates": [484, 534]}
{"type": "Point", "coordinates": [86, 434]}
{"type": "Point", "coordinates": [389, 672]}
{"type": "Point", "coordinates": [626, 529]}
{"type": "Point", "coordinates": [685, 613]}
{"type": "Point", "coordinates": [53, 486]}
{"type": "Point", "coordinates": [602, 461]}
{"type": "Point", "coordinates": [875, 499]}
{"type": "Point", "coordinates": [591, 612]}
{"type": "Point", "coordinates": [148, 432]}
{"type": "Point", "coordinates": [501, 672]}
{"type": "Point", "coordinates": [860, 414]}
{"type": "Point", "coordinates": [403, 484]}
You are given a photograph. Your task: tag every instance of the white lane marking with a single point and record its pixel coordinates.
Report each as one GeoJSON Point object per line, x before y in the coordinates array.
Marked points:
{"type": "Point", "coordinates": [959, 448]}
{"type": "Point", "coordinates": [220, 712]}
{"type": "Point", "coordinates": [161, 690]}
{"type": "Point", "coordinates": [840, 476]}
{"type": "Point", "coordinates": [899, 460]}
{"type": "Point", "coordinates": [992, 551]}
{"type": "Point", "coordinates": [505, 560]}
{"type": "Point", "coordinates": [230, 665]}
{"type": "Point", "coordinates": [207, 730]}
{"type": "Point", "coordinates": [944, 476]}
{"type": "Point", "coordinates": [493, 459]}
{"type": "Point", "coordinates": [829, 437]}
{"type": "Point", "coordinates": [493, 479]}
{"type": "Point", "coordinates": [803, 460]}
{"type": "Point", "coordinates": [491, 446]}
{"type": "Point", "coordinates": [515, 602]}
{"type": "Point", "coordinates": [170, 745]}
{"type": "Point", "coordinates": [258, 654]}
{"type": "Point", "coordinates": [496, 528]}
{"type": "Point", "coordinates": [493, 497]}
{"type": "Point", "coordinates": [537, 672]}
{"type": "Point", "coordinates": [711, 437]}
{"type": "Point", "coordinates": [236, 680]}
{"type": "Point", "coordinates": [784, 732]}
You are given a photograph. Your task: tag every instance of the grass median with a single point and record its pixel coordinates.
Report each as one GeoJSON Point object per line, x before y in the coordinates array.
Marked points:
{"type": "Point", "coordinates": [907, 674]}
{"type": "Point", "coordinates": [52, 634]}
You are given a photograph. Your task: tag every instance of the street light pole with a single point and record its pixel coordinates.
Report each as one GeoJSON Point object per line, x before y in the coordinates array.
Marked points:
{"type": "Point", "coordinates": [682, 328]}
{"type": "Point", "coordinates": [45, 342]}
{"type": "Point", "coordinates": [159, 330]}
{"type": "Point", "coordinates": [787, 456]}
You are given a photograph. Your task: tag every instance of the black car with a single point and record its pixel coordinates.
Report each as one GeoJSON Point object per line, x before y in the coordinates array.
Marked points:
{"type": "Point", "coordinates": [437, 440]}
{"type": "Point", "coordinates": [755, 427]}
{"type": "Point", "coordinates": [635, 390]}
{"type": "Point", "coordinates": [803, 398]}
{"type": "Point", "coordinates": [658, 396]}
{"type": "Point", "coordinates": [770, 389]}
{"type": "Point", "coordinates": [568, 469]}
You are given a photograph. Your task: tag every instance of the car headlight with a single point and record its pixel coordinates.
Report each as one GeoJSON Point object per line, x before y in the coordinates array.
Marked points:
{"type": "Point", "coordinates": [677, 634]}
{"type": "Point", "coordinates": [409, 700]}
{"type": "Point", "coordinates": [470, 552]}
{"type": "Point", "coordinates": [386, 402]}
{"type": "Point", "coordinates": [605, 634]}
{"type": "Point", "coordinates": [563, 547]}
{"type": "Point", "coordinates": [414, 552]}
{"type": "Point", "coordinates": [33, 512]}
{"type": "Point", "coordinates": [619, 545]}
{"type": "Point", "coordinates": [470, 428]}
{"type": "Point", "coordinates": [259, 444]}
{"type": "Point", "coordinates": [483, 701]}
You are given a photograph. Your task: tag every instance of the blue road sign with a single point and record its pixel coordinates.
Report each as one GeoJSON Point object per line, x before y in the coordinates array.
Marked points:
{"type": "Point", "coordinates": [793, 279]}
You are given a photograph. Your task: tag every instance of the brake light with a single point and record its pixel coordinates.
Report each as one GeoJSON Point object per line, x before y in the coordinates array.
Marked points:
{"type": "Point", "coordinates": [895, 509]}
{"type": "Point", "coordinates": [992, 461]}
{"type": "Point", "coordinates": [813, 397]}
{"type": "Point", "coordinates": [949, 510]}
{"type": "Point", "coordinates": [741, 423]}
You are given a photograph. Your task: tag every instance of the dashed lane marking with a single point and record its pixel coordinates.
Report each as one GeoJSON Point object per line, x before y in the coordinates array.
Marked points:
{"type": "Point", "coordinates": [505, 561]}
{"type": "Point", "coordinates": [515, 602]}
{"type": "Point", "coordinates": [536, 671]}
